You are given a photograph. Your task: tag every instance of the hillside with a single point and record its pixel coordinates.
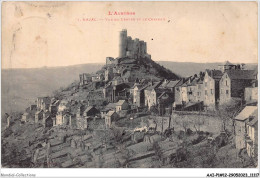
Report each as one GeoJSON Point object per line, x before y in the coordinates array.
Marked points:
{"type": "Point", "coordinates": [20, 87]}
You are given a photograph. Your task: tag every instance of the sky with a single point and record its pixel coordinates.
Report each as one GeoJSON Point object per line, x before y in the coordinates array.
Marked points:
{"type": "Point", "coordinates": [39, 34]}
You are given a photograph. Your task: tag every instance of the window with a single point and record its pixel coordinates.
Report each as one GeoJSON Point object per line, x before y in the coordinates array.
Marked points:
{"type": "Point", "coordinates": [206, 92]}
{"type": "Point", "coordinates": [212, 91]}
{"type": "Point", "coordinates": [205, 84]}
{"type": "Point", "coordinates": [226, 82]}
{"type": "Point", "coordinates": [198, 93]}
{"type": "Point", "coordinates": [227, 92]}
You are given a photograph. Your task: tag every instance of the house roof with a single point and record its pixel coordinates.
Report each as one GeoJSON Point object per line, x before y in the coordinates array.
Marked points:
{"type": "Point", "coordinates": [184, 82]}
{"type": "Point", "coordinates": [139, 135]}
{"type": "Point", "coordinates": [117, 78]}
{"type": "Point", "coordinates": [246, 112]}
{"type": "Point", "coordinates": [189, 104]}
{"type": "Point", "coordinates": [241, 74]}
{"type": "Point", "coordinates": [172, 83]}
{"type": "Point", "coordinates": [138, 86]}
{"type": "Point", "coordinates": [253, 122]}
{"type": "Point", "coordinates": [26, 114]}
{"type": "Point", "coordinates": [45, 99]}
{"type": "Point", "coordinates": [155, 85]}
{"type": "Point", "coordinates": [255, 118]}
{"type": "Point", "coordinates": [140, 147]}
{"type": "Point", "coordinates": [38, 112]}
{"type": "Point", "coordinates": [227, 63]}
{"type": "Point", "coordinates": [110, 113]}
{"type": "Point", "coordinates": [89, 108]}
{"type": "Point", "coordinates": [155, 138]}
{"type": "Point", "coordinates": [200, 80]}
{"type": "Point", "coordinates": [167, 145]}
{"type": "Point", "coordinates": [120, 102]}
{"type": "Point", "coordinates": [193, 81]}
{"type": "Point", "coordinates": [215, 74]}
{"type": "Point", "coordinates": [111, 106]}
{"type": "Point", "coordinates": [161, 95]}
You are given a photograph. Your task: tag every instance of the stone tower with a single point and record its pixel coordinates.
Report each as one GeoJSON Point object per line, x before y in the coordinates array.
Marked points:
{"type": "Point", "coordinates": [122, 43]}
{"type": "Point", "coordinates": [132, 48]}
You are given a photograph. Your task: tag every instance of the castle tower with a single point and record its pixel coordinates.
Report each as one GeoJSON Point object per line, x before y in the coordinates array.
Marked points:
{"type": "Point", "coordinates": [122, 43]}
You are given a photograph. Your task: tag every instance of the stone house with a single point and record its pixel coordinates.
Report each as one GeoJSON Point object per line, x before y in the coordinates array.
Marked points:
{"type": "Point", "coordinates": [251, 94]}
{"type": "Point", "coordinates": [181, 92]}
{"type": "Point", "coordinates": [165, 100]}
{"type": "Point", "coordinates": [192, 89]}
{"type": "Point", "coordinates": [120, 91]}
{"type": "Point", "coordinates": [252, 135]}
{"type": "Point", "coordinates": [84, 79]}
{"type": "Point", "coordinates": [137, 137]}
{"type": "Point", "coordinates": [151, 94]}
{"type": "Point", "coordinates": [233, 84]}
{"type": "Point", "coordinates": [38, 116]}
{"type": "Point", "coordinates": [138, 95]}
{"type": "Point", "coordinates": [80, 110]}
{"type": "Point", "coordinates": [121, 105]}
{"type": "Point", "coordinates": [33, 107]}
{"type": "Point", "coordinates": [109, 107]}
{"type": "Point", "coordinates": [54, 107]}
{"type": "Point", "coordinates": [110, 117]}
{"type": "Point", "coordinates": [240, 126]}
{"type": "Point", "coordinates": [25, 117]}
{"type": "Point", "coordinates": [43, 103]}
{"type": "Point", "coordinates": [90, 111]}
{"type": "Point", "coordinates": [82, 122]}
{"type": "Point", "coordinates": [97, 77]}
{"type": "Point", "coordinates": [107, 91]}
{"type": "Point", "coordinates": [64, 105]}
{"type": "Point", "coordinates": [184, 92]}
{"type": "Point", "coordinates": [62, 118]}
{"type": "Point", "coordinates": [169, 85]}
{"type": "Point", "coordinates": [48, 122]}
{"type": "Point", "coordinates": [211, 88]}
{"type": "Point", "coordinates": [177, 94]}
{"type": "Point", "coordinates": [117, 80]}
{"type": "Point", "coordinates": [229, 66]}
{"type": "Point", "coordinates": [109, 74]}
{"type": "Point", "coordinates": [200, 90]}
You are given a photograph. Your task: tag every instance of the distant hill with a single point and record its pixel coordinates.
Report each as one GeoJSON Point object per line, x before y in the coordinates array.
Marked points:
{"type": "Point", "coordinates": [20, 87]}
{"type": "Point", "coordinates": [186, 69]}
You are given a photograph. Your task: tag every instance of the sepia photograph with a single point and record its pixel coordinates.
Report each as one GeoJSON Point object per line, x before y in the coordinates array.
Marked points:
{"type": "Point", "coordinates": [129, 85]}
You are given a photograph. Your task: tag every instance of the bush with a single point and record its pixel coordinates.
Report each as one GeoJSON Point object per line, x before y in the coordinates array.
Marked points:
{"type": "Point", "coordinates": [189, 131]}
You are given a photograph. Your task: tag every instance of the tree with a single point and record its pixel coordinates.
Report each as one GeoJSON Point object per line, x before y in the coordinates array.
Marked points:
{"type": "Point", "coordinates": [226, 112]}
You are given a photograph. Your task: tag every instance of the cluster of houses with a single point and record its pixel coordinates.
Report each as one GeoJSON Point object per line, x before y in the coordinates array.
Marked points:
{"type": "Point", "coordinates": [51, 112]}
{"type": "Point", "coordinates": [205, 91]}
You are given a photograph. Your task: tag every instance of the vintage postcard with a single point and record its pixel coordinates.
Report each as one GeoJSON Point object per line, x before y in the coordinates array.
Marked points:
{"type": "Point", "coordinates": [129, 85]}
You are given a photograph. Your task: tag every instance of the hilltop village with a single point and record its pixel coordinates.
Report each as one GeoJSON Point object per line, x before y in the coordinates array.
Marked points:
{"type": "Point", "coordinates": [135, 113]}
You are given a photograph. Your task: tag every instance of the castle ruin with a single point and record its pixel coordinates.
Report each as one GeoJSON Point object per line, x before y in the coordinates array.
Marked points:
{"type": "Point", "coordinates": [131, 48]}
